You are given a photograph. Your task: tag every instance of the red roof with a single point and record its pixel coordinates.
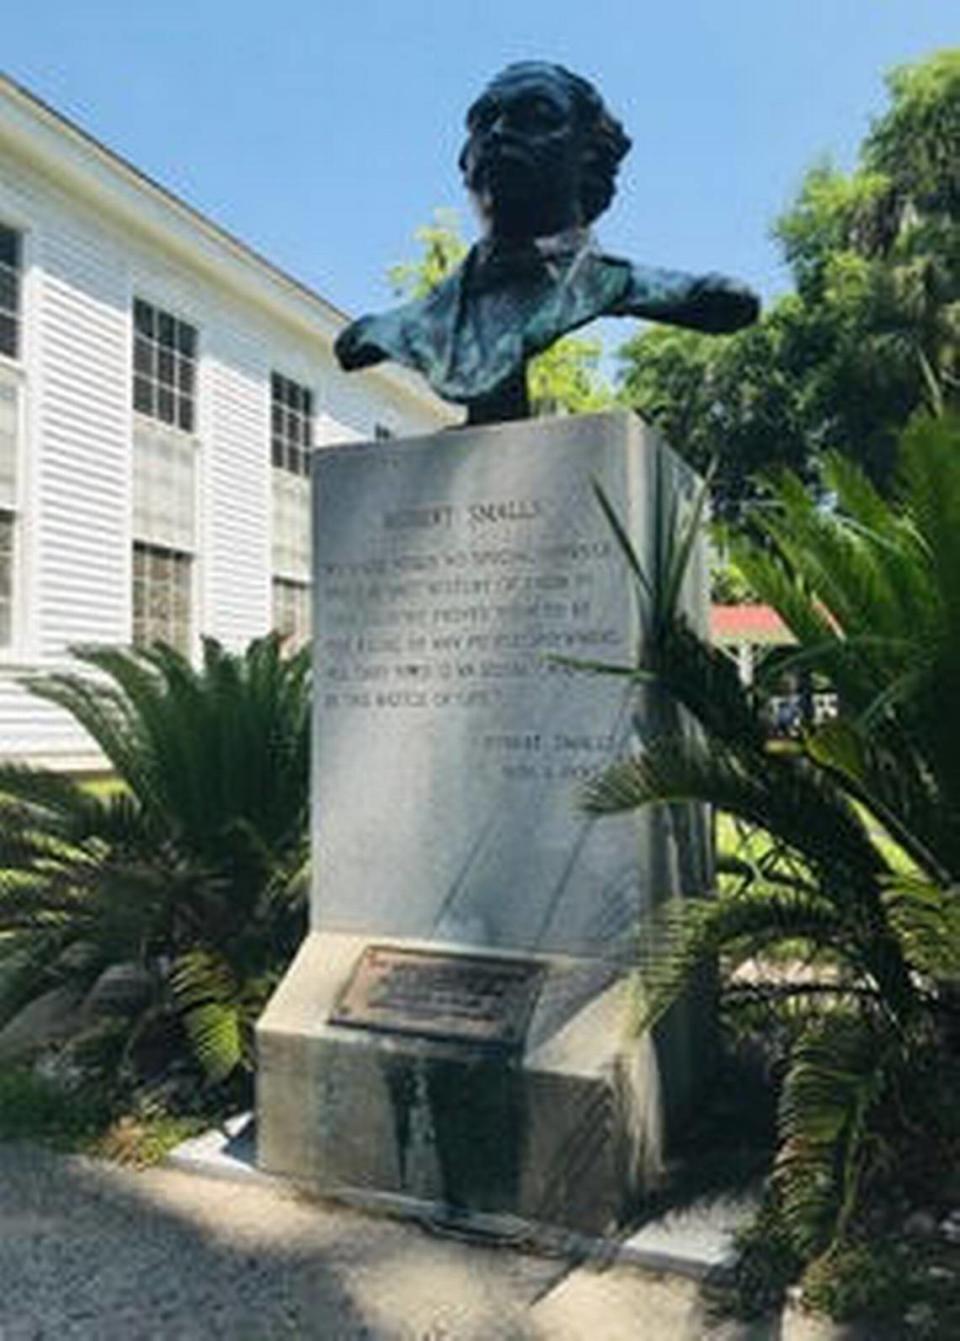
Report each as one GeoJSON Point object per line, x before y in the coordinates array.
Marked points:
{"type": "Point", "coordinates": [747, 624]}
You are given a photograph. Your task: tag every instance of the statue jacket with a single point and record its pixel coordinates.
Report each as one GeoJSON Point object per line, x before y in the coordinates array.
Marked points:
{"type": "Point", "coordinates": [506, 303]}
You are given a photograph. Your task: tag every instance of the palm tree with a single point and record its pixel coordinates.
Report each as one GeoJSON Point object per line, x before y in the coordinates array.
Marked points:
{"type": "Point", "coordinates": [175, 898]}
{"type": "Point", "coordinates": [861, 821]}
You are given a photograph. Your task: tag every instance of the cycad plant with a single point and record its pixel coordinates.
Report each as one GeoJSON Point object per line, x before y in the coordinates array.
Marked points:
{"type": "Point", "coordinates": [848, 900]}
{"type": "Point", "coordinates": [873, 597]}
{"type": "Point", "coordinates": [167, 905]}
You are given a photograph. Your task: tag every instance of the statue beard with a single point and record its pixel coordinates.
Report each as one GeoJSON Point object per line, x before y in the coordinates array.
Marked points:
{"type": "Point", "coordinates": [521, 194]}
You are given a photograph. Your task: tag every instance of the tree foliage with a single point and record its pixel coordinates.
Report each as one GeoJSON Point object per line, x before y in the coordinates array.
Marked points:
{"type": "Point", "coordinates": [441, 250]}
{"type": "Point", "coordinates": [871, 332]}
{"type": "Point", "coordinates": [565, 379]}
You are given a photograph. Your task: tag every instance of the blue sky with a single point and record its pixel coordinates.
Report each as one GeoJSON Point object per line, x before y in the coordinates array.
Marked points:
{"type": "Point", "coordinates": [322, 133]}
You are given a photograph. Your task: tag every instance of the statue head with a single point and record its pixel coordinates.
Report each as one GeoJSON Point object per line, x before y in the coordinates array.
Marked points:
{"type": "Point", "coordinates": [542, 151]}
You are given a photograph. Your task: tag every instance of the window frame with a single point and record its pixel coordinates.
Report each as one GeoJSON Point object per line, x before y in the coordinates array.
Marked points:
{"type": "Point", "coordinates": [14, 373]}
{"type": "Point", "coordinates": [8, 648]}
{"type": "Point", "coordinates": [306, 416]}
{"type": "Point", "coordinates": [153, 548]}
{"type": "Point", "coordinates": [303, 585]}
{"type": "Point", "coordinates": [143, 422]}
{"type": "Point", "coordinates": [19, 314]}
{"type": "Point", "coordinates": [14, 379]}
{"type": "Point", "coordinates": [161, 312]}
{"type": "Point", "coordinates": [144, 425]}
{"type": "Point", "coordinates": [291, 481]}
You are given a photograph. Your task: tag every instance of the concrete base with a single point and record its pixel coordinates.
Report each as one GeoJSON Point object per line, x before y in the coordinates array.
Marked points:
{"type": "Point", "coordinates": [564, 1134]}
{"type": "Point", "coordinates": [697, 1240]}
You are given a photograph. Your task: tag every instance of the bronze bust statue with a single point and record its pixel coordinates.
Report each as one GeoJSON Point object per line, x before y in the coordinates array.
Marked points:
{"type": "Point", "coordinates": [540, 162]}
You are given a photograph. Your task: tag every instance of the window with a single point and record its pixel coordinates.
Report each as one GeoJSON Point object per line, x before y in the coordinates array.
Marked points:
{"type": "Point", "coordinates": [10, 262]}
{"type": "Point", "coordinates": [10, 381]}
{"type": "Point", "coordinates": [164, 487]}
{"type": "Point", "coordinates": [9, 444]}
{"type": "Point", "coordinates": [164, 366]}
{"type": "Point", "coordinates": [164, 529]}
{"type": "Point", "coordinates": [6, 578]}
{"type": "Point", "coordinates": [291, 424]}
{"type": "Point", "coordinates": [291, 526]}
{"type": "Point", "coordinates": [291, 610]}
{"type": "Point", "coordinates": [164, 477]}
{"type": "Point", "coordinates": [162, 583]}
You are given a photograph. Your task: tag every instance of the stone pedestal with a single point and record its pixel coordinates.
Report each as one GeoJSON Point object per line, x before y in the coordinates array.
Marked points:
{"type": "Point", "coordinates": [455, 1030]}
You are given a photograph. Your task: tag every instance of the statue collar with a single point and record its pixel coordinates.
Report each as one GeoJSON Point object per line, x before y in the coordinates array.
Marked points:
{"type": "Point", "coordinates": [459, 339]}
{"type": "Point", "coordinates": [498, 261]}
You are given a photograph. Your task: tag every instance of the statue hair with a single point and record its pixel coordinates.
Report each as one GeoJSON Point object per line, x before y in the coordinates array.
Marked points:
{"type": "Point", "coordinates": [606, 143]}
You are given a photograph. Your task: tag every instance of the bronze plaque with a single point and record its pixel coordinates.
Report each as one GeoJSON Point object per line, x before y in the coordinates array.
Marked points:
{"type": "Point", "coordinates": [471, 998]}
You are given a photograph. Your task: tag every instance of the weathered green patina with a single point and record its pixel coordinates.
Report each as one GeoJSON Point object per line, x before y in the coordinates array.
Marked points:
{"type": "Point", "coordinates": [540, 162]}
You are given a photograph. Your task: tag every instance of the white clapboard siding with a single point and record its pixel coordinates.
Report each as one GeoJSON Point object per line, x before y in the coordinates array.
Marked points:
{"type": "Point", "coordinates": [85, 265]}
{"type": "Point", "coordinates": [31, 729]}
{"type": "Point", "coordinates": [236, 484]}
{"type": "Point", "coordinates": [82, 427]}
{"type": "Point", "coordinates": [73, 481]}
{"type": "Point", "coordinates": [362, 401]}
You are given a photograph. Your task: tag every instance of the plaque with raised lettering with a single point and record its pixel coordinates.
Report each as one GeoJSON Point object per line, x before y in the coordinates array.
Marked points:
{"type": "Point", "coordinates": [481, 999]}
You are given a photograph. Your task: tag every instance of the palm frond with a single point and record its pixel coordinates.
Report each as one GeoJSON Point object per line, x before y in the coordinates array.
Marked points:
{"type": "Point", "coordinates": [926, 918]}
{"type": "Point", "coordinates": [208, 998]}
{"type": "Point", "coordinates": [684, 935]}
{"type": "Point", "coordinates": [682, 536]}
{"type": "Point", "coordinates": [781, 795]}
{"type": "Point", "coordinates": [623, 540]}
{"type": "Point", "coordinates": [201, 851]}
{"type": "Point", "coordinates": [838, 1074]}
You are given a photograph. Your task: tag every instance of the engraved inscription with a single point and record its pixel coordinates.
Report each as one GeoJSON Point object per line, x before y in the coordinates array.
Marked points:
{"type": "Point", "coordinates": [488, 601]}
{"type": "Point", "coordinates": [473, 998]}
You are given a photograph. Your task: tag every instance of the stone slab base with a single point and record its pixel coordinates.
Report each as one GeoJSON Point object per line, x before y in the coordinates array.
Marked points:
{"type": "Point", "coordinates": [560, 1134]}
{"type": "Point", "coordinates": [697, 1240]}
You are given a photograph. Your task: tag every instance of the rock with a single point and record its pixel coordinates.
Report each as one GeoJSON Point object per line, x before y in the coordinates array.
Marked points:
{"type": "Point", "coordinates": [61, 1068]}
{"type": "Point", "coordinates": [51, 1018]}
{"type": "Point", "coordinates": [950, 1227]}
{"type": "Point", "coordinates": [920, 1316]}
{"type": "Point", "coordinates": [120, 990]}
{"type": "Point", "coordinates": [920, 1224]}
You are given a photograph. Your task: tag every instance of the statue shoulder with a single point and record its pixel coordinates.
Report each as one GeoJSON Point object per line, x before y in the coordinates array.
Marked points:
{"type": "Point", "coordinates": [711, 303]}
{"type": "Point", "coordinates": [391, 334]}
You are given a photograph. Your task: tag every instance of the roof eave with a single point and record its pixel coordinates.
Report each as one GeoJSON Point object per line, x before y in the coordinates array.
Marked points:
{"type": "Point", "coordinates": [69, 154]}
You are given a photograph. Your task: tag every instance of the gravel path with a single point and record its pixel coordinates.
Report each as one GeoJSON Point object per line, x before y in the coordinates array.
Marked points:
{"type": "Point", "coordinates": [89, 1250]}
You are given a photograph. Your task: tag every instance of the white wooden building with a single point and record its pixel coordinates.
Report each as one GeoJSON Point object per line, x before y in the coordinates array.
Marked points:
{"type": "Point", "coordinates": [161, 388]}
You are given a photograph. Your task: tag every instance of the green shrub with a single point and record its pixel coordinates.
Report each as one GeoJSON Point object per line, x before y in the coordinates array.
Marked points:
{"type": "Point", "coordinates": [854, 1280]}
{"type": "Point", "coordinates": [856, 872]}
{"type": "Point", "coordinates": [171, 903]}
{"type": "Point", "coordinates": [34, 1108]}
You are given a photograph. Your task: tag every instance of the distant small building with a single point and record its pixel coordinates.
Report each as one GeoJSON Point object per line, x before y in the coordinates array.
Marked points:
{"type": "Point", "coordinates": [161, 389]}
{"type": "Point", "coordinates": [745, 631]}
